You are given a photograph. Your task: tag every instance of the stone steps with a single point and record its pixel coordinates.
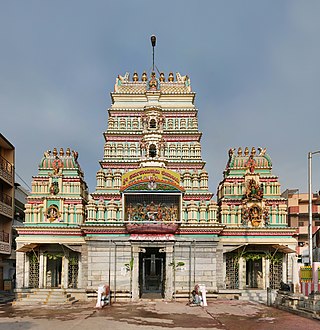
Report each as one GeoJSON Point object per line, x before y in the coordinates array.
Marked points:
{"type": "Point", "coordinates": [45, 297]}
{"type": "Point", "coordinates": [254, 295]}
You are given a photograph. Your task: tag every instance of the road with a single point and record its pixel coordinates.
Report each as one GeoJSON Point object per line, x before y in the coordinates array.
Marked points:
{"type": "Point", "coordinates": [147, 315]}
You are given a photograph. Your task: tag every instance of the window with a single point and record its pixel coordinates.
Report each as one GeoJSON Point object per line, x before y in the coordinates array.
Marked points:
{"type": "Point", "coordinates": [152, 151]}
{"type": "Point", "coordinates": [153, 123]}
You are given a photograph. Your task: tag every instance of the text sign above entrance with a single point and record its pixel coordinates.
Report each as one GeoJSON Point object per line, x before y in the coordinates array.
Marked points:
{"type": "Point", "coordinates": [153, 237]}
{"type": "Point", "coordinates": [150, 174]}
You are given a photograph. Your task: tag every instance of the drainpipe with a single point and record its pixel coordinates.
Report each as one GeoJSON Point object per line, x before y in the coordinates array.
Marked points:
{"type": "Point", "coordinates": [131, 270]}
{"type": "Point", "coordinates": [109, 275]}
{"type": "Point", "coordinates": [115, 268]}
{"type": "Point", "coordinates": [174, 273]}
{"type": "Point", "coordinates": [190, 270]}
{"type": "Point", "coordinates": [194, 262]}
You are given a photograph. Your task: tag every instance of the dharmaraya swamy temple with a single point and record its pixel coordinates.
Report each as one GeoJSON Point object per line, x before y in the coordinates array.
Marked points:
{"type": "Point", "coordinates": [152, 227]}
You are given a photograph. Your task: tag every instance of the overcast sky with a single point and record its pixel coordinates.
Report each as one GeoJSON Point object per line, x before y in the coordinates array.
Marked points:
{"type": "Point", "coordinates": [255, 66]}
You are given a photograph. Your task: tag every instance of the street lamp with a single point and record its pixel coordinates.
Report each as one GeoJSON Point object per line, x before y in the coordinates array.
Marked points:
{"type": "Point", "coordinates": [310, 203]}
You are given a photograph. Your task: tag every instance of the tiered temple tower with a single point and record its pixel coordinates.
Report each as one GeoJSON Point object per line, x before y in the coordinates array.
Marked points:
{"type": "Point", "coordinates": [55, 210]}
{"type": "Point", "coordinates": [153, 123]}
{"type": "Point", "coordinates": [258, 245]}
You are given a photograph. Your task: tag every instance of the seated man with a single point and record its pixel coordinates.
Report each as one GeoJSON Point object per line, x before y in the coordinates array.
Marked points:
{"type": "Point", "coordinates": [196, 299]}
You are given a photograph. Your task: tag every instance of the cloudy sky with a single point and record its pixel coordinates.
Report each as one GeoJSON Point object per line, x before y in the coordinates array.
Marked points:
{"type": "Point", "coordinates": [255, 66]}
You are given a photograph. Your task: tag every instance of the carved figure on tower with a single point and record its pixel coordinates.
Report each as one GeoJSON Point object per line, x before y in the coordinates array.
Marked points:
{"type": "Point", "coordinates": [251, 164]}
{"type": "Point", "coordinates": [161, 147]}
{"type": "Point", "coordinates": [54, 188]}
{"type": "Point", "coordinates": [144, 120]}
{"type": "Point", "coordinates": [143, 147]}
{"type": "Point", "coordinates": [153, 83]}
{"type": "Point", "coordinates": [160, 122]}
{"type": "Point", "coordinates": [253, 190]}
{"type": "Point", "coordinates": [57, 166]}
{"type": "Point", "coordinates": [255, 215]}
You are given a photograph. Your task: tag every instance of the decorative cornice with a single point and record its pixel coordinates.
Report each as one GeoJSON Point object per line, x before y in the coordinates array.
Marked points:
{"type": "Point", "coordinates": [49, 231]}
{"type": "Point", "coordinates": [259, 232]}
{"type": "Point", "coordinates": [197, 196]}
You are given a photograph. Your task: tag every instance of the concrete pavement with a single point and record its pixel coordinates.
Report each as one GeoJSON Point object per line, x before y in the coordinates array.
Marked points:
{"type": "Point", "coordinates": [147, 315]}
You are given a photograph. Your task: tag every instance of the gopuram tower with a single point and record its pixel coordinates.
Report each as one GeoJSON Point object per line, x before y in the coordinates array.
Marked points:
{"type": "Point", "coordinates": [152, 188]}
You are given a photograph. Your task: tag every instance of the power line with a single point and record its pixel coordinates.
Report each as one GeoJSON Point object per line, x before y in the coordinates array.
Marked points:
{"type": "Point", "coordinates": [22, 180]}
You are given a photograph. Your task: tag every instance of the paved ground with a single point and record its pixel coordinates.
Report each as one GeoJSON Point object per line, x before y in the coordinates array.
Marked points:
{"type": "Point", "coordinates": [220, 314]}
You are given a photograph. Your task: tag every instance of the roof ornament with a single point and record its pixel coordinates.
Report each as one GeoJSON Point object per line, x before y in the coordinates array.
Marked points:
{"type": "Point", "coordinates": [262, 151]}
{"type": "Point", "coordinates": [153, 83]}
{"type": "Point", "coordinates": [153, 43]}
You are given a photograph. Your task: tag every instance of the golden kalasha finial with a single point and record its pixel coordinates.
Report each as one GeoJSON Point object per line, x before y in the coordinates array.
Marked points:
{"type": "Point", "coordinates": [61, 152]}
{"type": "Point", "coordinates": [144, 76]}
{"type": "Point", "coordinates": [246, 151]}
{"type": "Point", "coordinates": [171, 77]}
{"type": "Point", "coordinates": [135, 76]}
{"type": "Point", "coordinates": [68, 153]}
{"type": "Point", "coordinates": [239, 151]}
{"type": "Point", "coordinates": [162, 77]}
{"type": "Point", "coordinates": [55, 152]}
{"type": "Point", "coordinates": [253, 151]}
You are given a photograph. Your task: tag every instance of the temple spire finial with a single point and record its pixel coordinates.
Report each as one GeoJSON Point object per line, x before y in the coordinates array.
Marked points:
{"type": "Point", "coordinates": [153, 43]}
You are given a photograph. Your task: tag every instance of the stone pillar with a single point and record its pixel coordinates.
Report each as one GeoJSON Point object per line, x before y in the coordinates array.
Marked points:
{"type": "Point", "coordinates": [267, 273]}
{"type": "Point", "coordinates": [169, 273]}
{"type": "Point", "coordinates": [135, 273]}
{"type": "Point", "coordinates": [45, 263]}
{"type": "Point", "coordinates": [80, 272]}
{"type": "Point", "coordinates": [20, 269]}
{"type": "Point", "coordinates": [64, 273]}
{"type": "Point", "coordinates": [41, 270]}
{"type": "Point", "coordinates": [242, 273]}
{"type": "Point", "coordinates": [26, 271]}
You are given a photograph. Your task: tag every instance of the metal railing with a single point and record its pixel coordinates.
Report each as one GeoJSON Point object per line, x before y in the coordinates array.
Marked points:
{"type": "Point", "coordinates": [6, 166]}
{"type": "Point", "coordinates": [4, 237]}
{"type": "Point", "coordinates": [5, 198]}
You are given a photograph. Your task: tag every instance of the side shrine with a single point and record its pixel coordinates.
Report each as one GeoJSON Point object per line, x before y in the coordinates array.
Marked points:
{"type": "Point", "coordinates": [151, 228]}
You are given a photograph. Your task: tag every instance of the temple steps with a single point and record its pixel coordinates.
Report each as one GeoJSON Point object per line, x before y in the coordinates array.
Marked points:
{"type": "Point", "coordinates": [44, 297]}
{"type": "Point", "coordinates": [254, 295]}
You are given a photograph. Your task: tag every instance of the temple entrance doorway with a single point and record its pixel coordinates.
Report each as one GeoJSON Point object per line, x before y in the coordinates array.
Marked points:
{"type": "Point", "coordinates": [254, 274]}
{"type": "Point", "coordinates": [54, 269]}
{"type": "Point", "coordinates": [152, 273]}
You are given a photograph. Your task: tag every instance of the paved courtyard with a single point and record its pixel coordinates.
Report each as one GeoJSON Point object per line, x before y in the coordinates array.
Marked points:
{"type": "Point", "coordinates": [220, 314]}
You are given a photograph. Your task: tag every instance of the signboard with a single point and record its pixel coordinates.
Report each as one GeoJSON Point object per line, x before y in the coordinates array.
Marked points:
{"type": "Point", "coordinates": [156, 174]}
{"type": "Point", "coordinates": [154, 237]}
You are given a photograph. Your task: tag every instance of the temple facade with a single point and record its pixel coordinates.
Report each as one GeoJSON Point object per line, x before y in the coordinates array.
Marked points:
{"type": "Point", "coordinates": [151, 228]}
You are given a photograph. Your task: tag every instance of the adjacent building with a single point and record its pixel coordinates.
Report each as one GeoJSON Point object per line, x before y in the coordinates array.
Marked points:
{"type": "Point", "coordinates": [298, 216]}
{"type": "Point", "coordinates": [151, 227]}
{"type": "Point", "coordinates": [7, 153]}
